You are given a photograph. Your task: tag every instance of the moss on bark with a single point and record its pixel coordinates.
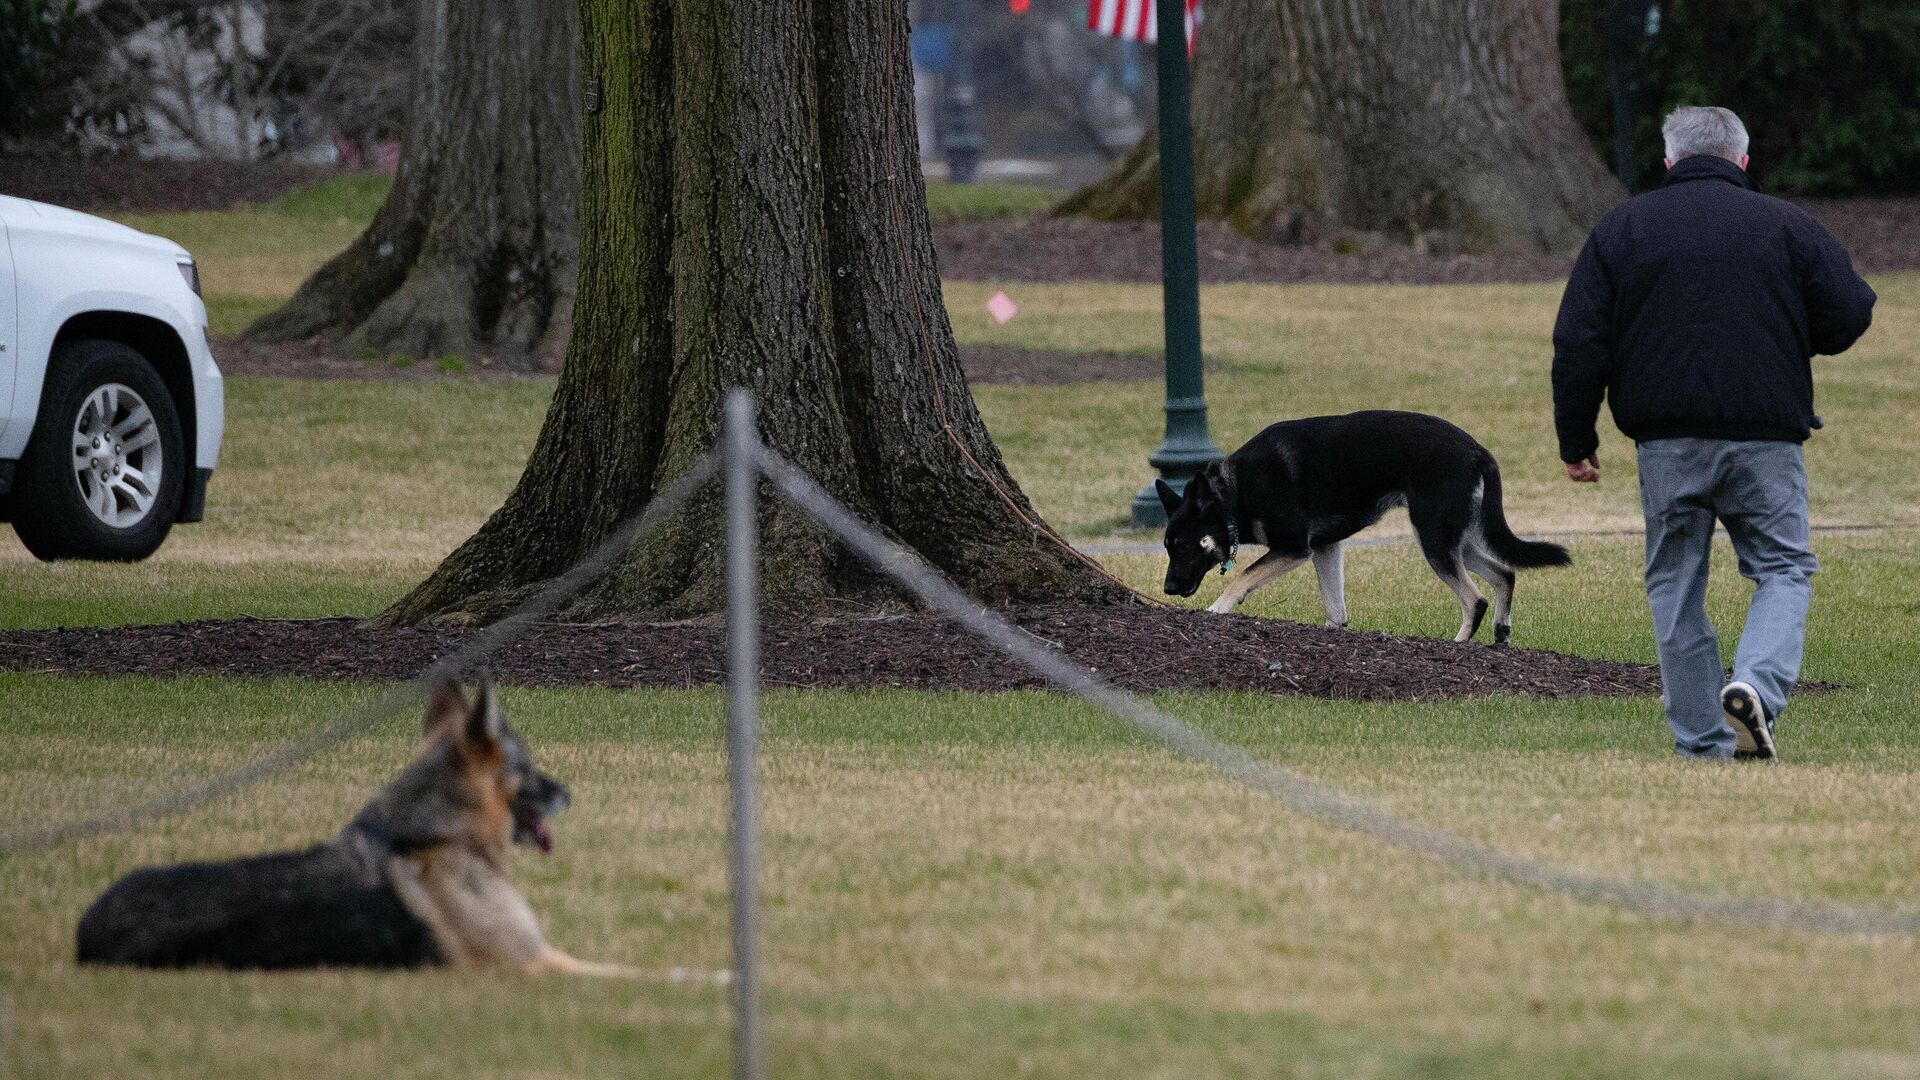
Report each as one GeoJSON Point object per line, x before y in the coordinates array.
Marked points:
{"type": "Point", "coordinates": [753, 215]}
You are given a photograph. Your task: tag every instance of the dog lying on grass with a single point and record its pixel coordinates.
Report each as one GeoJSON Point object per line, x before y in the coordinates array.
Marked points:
{"type": "Point", "coordinates": [418, 878]}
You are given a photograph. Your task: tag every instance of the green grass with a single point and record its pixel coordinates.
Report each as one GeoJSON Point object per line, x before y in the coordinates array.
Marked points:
{"type": "Point", "coordinates": [966, 885]}
{"type": "Point", "coordinates": [983, 202]}
{"type": "Point", "coordinates": [1010, 884]}
{"type": "Point", "coordinates": [1478, 355]}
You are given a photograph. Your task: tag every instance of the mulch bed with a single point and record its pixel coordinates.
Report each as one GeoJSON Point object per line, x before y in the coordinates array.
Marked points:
{"type": "Point", "coordinates": [1011, 366]}
{"type": "Point", "coordinates": [984, 364]}
{"type": "Point", "coordinates": [118, 185]}
{"type": "Point", "coordinates": [1880, 232]}
{"type": "Point", "coordinates": [1883, 235]}
{"type": "Point", "coordinates": [1074, 249]}
{"type": "Point", "coordinates": [321, 360]}
{"type": "Point", "coordinates": [1140, 647]}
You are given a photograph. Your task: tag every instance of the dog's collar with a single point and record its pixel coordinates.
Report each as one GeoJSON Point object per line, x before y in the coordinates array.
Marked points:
{"type": "Point", "coordinates": [1233, 526]}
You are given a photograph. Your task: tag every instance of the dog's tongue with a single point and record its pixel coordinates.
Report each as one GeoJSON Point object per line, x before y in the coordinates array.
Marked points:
{"type": "Point", "coordinates": [543, 837]}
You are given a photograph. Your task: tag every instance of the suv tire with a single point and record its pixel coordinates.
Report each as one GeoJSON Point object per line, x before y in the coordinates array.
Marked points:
{"type": "Point", "coordinates": [98, 497]}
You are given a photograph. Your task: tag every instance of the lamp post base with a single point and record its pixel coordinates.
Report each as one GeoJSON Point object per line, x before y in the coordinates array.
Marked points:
{"type": "Point", "coordinates": [1187, 449]}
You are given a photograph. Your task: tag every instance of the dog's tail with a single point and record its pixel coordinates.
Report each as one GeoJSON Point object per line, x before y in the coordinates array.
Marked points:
{"type": "Point", "coordinates": [1508, 548]}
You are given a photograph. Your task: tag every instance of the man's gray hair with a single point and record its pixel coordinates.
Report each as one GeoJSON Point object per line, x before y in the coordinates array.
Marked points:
{"type": "Point", "coordinates": [1704, 129]}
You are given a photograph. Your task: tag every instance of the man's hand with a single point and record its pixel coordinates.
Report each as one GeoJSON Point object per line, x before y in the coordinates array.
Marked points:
{"type": "Point", "coordinates": [1585, 472]}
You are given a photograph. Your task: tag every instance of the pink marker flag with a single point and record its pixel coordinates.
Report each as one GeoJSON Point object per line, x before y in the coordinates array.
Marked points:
{"type": "Point", "coordinates": [1002, 308]}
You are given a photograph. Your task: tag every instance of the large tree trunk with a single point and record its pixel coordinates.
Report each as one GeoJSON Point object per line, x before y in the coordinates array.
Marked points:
{"type": "Point", "coordinates": [475, 247]}
{"type": "Point", "coordinates": [753, 214]}
{"type": "Point", "coordinates": [1444, 121]}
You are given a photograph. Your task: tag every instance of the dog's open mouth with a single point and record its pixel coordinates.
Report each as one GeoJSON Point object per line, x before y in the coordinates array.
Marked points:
{"type": "Point", "coordinates": [530, 827]}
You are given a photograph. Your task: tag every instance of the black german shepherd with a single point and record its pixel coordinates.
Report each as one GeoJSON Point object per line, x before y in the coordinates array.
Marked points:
{"type": "Point", "coordinates": [1301, 487]}
{"type": "Point", "coordinates": [417, 878]}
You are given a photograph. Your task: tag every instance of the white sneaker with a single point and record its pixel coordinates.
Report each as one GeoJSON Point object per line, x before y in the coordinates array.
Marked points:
{"type": "Point", "coordinates": [1752, 727]}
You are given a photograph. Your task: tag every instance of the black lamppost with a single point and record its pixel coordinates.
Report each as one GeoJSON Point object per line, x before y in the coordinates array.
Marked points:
{"type": "Point", "coordinates": [1629, 23]}
{"type": "Point", "coordinates": [1187, 446]}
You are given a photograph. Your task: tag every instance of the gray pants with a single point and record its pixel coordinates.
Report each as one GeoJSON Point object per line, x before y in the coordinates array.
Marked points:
{"type": "Point", "coordinates": [1759, 491]}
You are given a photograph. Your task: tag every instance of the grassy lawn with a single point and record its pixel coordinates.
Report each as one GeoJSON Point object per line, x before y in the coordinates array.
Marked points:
{"type": "Point", "coordinates": [1002, 885]}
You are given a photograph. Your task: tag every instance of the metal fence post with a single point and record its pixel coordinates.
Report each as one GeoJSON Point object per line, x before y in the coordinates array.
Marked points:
{"type": "Point", "coordinates": [743, 726]}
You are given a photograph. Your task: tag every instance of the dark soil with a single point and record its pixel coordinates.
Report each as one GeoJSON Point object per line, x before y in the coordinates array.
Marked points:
{"type": "Point", "coordinates": [1074, 249]}
{"type": "Point", "coordinates": [1005, 364]}
{"type": "Point", "coordinates": [106, 185]}
{"type": "Point", "coordinates": [1140, 647]}
{"type": "Point", "coordinates": [1883, 234]}
{"type": "Point", "coordinates": [984, 364]}
{"type": "Point", "coordinates": [320, 360]}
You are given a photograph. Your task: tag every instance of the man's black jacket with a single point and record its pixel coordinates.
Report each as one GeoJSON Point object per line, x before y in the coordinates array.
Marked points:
{"type": "Point", "coordinates": [1696, 308]}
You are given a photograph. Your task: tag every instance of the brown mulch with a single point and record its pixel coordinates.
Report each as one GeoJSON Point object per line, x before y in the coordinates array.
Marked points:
{"type": "Point", "coordinates": [108, 185]}
{"type": "Point", "coordinates": [1139, 647]}
{"type": "Point", "coordinates": [984, 364]}
{"type": "Point", "coordinates": [320, 360]}
{"type": "Point", "coordinates": [1074, 249]}
{"type": "Point", "coordinates": [1011, 366]}
{"type": "Point", "coordinates": [1883, 234]}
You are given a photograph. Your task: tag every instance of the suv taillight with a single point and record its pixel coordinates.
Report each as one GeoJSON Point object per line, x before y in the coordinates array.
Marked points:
{"type": "Point", "coordinates": [192, 273]}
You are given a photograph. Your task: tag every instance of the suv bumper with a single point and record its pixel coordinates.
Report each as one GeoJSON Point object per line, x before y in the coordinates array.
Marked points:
{"type": "Point", "coordinates": [193, 500]}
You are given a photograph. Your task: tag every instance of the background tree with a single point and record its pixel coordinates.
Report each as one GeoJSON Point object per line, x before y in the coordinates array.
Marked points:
{"type": "Point", "coordinates": [475, 247]}
{"type": "Point", "coordinates": [753, 214]}
{"type": "Point", "coordinates": [33, 34]}
{"type": "Point", "coordinates": [1829, 89]}
{"type": "Point", "coordinates": [1444, 122]}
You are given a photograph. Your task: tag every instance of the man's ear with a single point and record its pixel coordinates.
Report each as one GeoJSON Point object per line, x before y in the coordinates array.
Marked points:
{"type": "Point", "coordinates": [445, 709]}
{"type": "Point", "coordinates": [484, 726]}
{"type": "Point", "coordinates": [1169, 498]}
{"type": "Point", "coordinates": [1744, 158]}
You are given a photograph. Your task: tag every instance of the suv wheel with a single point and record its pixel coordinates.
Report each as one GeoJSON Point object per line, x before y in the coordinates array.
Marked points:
{"type": "Point", "coordinates": [102, 474]}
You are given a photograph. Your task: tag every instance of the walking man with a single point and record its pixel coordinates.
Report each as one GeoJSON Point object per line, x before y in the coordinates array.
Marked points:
{"type": "Point", "coordinates": [1695, 310]}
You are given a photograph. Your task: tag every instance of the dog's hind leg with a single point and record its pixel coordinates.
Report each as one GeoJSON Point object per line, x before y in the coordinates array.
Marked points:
{"type": "Point", "coordinates": [1441, 525]}
{"type": "Point", "coordinates": [1473, 606]}
{"type": "Point", "coordinates": [1266, 568]}
{"type": "Point", "coordinates": [1502, 578]}
{"type": "Point", "coordinates": [1329, 567]}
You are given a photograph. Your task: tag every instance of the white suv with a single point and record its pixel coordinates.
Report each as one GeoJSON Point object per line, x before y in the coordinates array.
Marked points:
{"type": "Point", "coordinates": [111, 408]}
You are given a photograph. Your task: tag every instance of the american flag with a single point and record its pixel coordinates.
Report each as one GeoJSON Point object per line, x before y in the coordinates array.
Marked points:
{"type": "Point", "coordinates": [1134, 20]}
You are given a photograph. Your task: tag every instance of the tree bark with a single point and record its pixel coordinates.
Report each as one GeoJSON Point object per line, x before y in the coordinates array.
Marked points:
{"type": "Point", "coordinates": [1441, 121]}
{"type": "Point", "coordinates": [475, 248]}
{"type": "Point", "coordinates": [753, 214]}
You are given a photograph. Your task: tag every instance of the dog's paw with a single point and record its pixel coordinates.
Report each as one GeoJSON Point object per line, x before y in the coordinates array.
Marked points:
{"type": "Point", "coordinates": [1502, 635]}
{"type": "Point", "coordinates": [1331, 625]}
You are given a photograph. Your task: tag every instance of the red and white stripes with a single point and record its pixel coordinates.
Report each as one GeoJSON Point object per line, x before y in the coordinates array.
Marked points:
{"type": "Point", "coordinates": [1134, 20]}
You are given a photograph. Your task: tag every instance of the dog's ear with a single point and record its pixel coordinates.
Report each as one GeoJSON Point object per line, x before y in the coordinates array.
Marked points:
{"type": "Point", "coordinates": [484, 725]}
{"type": "Point", "coordinates": [445, 709]}
{"type": "Point", "coordinates": [1200, 489]}
{"type": "Point", "coordinates": [1169, 498]}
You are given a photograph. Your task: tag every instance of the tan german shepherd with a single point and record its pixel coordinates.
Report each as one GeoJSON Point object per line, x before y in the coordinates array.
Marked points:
{"type": "Point", "coordinates": [418, 878]}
